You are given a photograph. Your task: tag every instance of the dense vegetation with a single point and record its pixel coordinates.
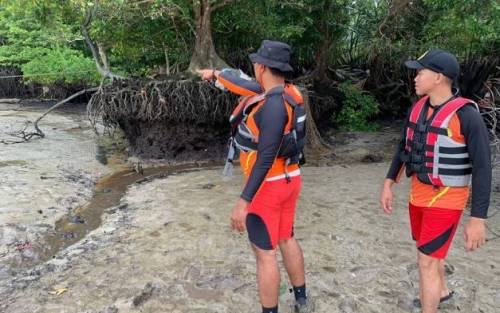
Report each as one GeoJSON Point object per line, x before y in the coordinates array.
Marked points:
{"type": "Point", "coordinates": [362, 41]}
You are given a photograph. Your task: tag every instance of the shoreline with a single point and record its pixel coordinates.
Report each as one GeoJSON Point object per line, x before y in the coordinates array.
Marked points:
{"type": "Point", "coordinates": [166, 244]}
{"type": "Point", "coordinates": [168, 247]}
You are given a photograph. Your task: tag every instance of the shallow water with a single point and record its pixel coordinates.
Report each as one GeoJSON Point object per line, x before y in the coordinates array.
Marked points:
{"type": "Point", "coordinates": [107, 194]}
{"type": "Point", "coordinates": [162, 242]}
{"type": "Point", "coordinates": [43, 179]}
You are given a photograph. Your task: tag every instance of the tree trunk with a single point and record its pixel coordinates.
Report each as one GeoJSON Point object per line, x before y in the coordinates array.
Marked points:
{"type": "Point", "coordinates": [167, 59]}
{"type": "Point", "coordinates": [322, 62]}
{"type": "Point", "coordinates": [102, 54]}
{"type": "Point", "coordinates": [204, 55]}
{"type": "Point", "coordinates": [95, 54]}
{"type": "Point", "coordinates": [315, 144]}
{"type": "Point", "coordinates": [322, 56]}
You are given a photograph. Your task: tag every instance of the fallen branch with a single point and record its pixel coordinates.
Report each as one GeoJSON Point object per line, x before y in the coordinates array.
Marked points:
{"type": "Point", "coordinates": [22, 134]}
{"type": "Point", "coordinates": [27, 136]}
{"type": "Point", "coordinates": [58, 104]}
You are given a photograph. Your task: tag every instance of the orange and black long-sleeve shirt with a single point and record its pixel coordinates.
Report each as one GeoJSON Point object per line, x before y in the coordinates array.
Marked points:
{"type": "Point", "coordinates": [271, 120]}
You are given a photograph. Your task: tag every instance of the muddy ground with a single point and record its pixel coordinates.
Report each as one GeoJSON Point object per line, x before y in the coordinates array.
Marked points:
{"type": "Point", "coordinates": [43, 179]}
{"type": "Point", "coordinates": [166, 246]}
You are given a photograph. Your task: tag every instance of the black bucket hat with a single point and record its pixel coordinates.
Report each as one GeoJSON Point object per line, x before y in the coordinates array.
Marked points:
{"type": "Point", "coordinates": [273, 54]}
{"type": "Point", "coordinates": [439, 61]}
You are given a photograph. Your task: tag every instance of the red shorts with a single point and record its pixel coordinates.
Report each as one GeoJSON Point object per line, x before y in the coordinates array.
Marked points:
{"type": "Point", "coordinates": [272, 212]}
{"type": "Point", "coordinates": [433, 229]}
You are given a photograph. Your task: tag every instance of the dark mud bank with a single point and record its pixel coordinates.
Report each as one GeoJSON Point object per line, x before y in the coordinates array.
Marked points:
{"type": "Point", "coordinates": [173, 141]}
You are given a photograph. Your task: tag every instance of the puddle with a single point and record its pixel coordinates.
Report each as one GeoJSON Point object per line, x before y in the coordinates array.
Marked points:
{"type": "Point", "coordinates": [75, 225]}
{"type": "Point", "coordinates": [13, 163]}
{"type": "Point", "coordinates": [77, 130]}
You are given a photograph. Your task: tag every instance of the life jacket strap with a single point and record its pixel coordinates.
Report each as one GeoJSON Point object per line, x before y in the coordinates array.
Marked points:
{"type": "Point", "coordinates": [419, 146]}
{"type": "Point", "coordinates": [453, 150]}
{"type": "Point", "coordinates": [287, 175]}
{"type": "Point", "coordinates": [422, 128]}
{"type": "Point", "coordinates": [228, 167]}
{"type": "Point", "coordinates": [448, 171]}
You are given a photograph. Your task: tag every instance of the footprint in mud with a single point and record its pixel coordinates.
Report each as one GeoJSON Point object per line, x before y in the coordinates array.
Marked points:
{"type": "Point", "coordinates": [387, 294]}
{"type": "Point", "coordinates": [208, 186]}
{"type": "Point", "coordinates": [155, 234]}
{"type": "Point", "coordinates": [68, 235]}
{"type": "Point", "coordinates": [149, 290]}
{"type": "Point", "coordinates": [75, 219]}
{"type": "Point", "coordinates": [322, 205]}
{"type": "Point", "coordinates": [29, 255]}
{"type": "Point", "coordinates": [449, 269]}
{"type": "Point", "coordinates": [202, 294]}
{"type": "Point", "coordinates": [330, 269]}
{"type": "Point", "coordinates": [187, 226]}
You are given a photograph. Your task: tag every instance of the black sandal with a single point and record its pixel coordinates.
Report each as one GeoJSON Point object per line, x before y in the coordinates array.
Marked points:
{"type": "Point", "coordinates": [443, 300]}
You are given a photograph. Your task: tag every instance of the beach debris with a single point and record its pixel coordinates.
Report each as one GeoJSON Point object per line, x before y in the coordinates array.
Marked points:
{"type": "Point", "coordinates": [58, 291]}
{"type": "Point", "coordinates": [75, 219]}
{"type": "Point", "coordinates": [24, 246]}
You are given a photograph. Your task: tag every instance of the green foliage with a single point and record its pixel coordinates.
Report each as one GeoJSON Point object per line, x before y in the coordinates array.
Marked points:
{"type": "Point", "coordinates": [361, 30]}
{"type": "Point", "coordinates": [358, 109]}
{"type": "Point", "coordinates": [463, 26]}
{"type": "Point", "coordinates": [61, 65]}
{"type": "Point", "coordinates": [40, 37]}
{"type": "Point", "coordinates": [139, 37]}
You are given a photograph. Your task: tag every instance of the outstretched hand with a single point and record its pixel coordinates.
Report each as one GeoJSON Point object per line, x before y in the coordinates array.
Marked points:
{"type": "Point", "coordinates": [206, 74]}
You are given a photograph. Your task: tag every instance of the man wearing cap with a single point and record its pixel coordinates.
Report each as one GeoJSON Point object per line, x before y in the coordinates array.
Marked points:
{"type": "Point", "coordinates": [445, 149]}
{"type": "Point", "coordinates": [266, 207]}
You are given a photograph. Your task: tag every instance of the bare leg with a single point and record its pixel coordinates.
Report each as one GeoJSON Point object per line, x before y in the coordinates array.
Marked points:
{"type": "Point", "coordinates": [420, 293]}
{"type": "Point", "coordinates": [444, 286]}
{"type": "Point", "coordinates": [430, 282]}
{"type": "Point", "coordinates": [293, 260]}
{"type": "Point", "coordinates": [268, 276]}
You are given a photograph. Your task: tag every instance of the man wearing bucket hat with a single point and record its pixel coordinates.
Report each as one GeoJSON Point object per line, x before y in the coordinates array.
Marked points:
{"type": "Point", "coordinates": [262, 124]}
{"type": "Point", "coordinates": [445, 149]}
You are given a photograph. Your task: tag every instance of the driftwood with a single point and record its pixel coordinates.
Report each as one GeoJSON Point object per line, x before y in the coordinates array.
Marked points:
{"type": "Point", "coordinates": [24, 134]}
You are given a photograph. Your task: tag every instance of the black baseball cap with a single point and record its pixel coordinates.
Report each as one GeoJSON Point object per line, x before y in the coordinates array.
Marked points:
{"type": "Point", "coordinates": [274, 54]}
{"type": "Point", "coordinates": [439, 61]}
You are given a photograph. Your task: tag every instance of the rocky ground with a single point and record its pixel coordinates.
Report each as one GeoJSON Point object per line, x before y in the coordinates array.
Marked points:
{"type": "Point", "coordinates": [167, 246]}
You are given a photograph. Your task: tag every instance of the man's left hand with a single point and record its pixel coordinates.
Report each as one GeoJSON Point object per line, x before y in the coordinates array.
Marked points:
{"type": "Point", "coordinates": [474, 234]}
{"type": "Point", "coordinates": [239, 216]}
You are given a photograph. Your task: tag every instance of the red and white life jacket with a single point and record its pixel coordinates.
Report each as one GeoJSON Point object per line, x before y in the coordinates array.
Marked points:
{"type": "Point", "coordinates": [431, 152]}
